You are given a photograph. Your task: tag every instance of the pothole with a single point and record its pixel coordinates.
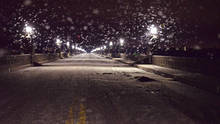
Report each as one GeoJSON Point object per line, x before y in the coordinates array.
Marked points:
{"type": "Point", "coordinates": [37, 64]}
{"type": "Point", "coordinates": [143, 79]}
{"type": "Point", "coordinates": [106, 73]}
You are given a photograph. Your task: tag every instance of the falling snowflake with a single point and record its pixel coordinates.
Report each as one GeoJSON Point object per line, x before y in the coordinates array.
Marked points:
{"type": "Point", "coordinates": [95, 11]}
{"type": "Point", "coordinates": [27, 2]}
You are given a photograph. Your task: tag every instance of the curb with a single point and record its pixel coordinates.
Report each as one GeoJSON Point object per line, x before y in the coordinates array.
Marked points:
{"type": "Point", "coordinates": [213, 89]}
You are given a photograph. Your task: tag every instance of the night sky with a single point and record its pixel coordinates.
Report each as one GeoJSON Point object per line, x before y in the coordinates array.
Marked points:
{"type": "Point", "coordinates": [92, 23]}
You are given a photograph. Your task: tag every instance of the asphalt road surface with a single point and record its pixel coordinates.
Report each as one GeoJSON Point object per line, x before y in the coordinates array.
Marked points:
{"type": "Point", "coordinates": [89, 89]}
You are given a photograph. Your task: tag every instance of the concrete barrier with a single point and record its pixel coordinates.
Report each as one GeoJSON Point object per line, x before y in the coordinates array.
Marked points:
{"type": "Point", "coordinates": [14, 62]}
{"type": "Point", "coordinates": [139, 58]}
{"type": "Point", "coordinates": [202, 65]}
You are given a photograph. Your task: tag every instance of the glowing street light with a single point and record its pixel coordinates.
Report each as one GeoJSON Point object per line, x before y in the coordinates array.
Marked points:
{"type": "Point", "coordinates": [152, 34]}
{"type": "Point", "coordinates": [58, 42]}
{"type": "Point", "coordinates": [110, 44]}
{"type": "Point", "coordinates": [153, 30]}
{"type": "Point", "coordinates": [68, 44]}
{"type": "Point", "coordinates": [104, 47]}
{"type": "Point", "coordinates": [29, 32]}
{"type": "Point", "coordinates": [122, 41]}
{"type": "Point", "coordinates": [28, 29]}
{"type": "Point", "coordinates": [73, 46]}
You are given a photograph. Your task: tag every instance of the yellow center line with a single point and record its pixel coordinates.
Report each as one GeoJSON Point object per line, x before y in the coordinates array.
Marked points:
{"type": "Point", "coordinates": [70, 117]}
{"type": "Point", "coordinates": [81, 114]}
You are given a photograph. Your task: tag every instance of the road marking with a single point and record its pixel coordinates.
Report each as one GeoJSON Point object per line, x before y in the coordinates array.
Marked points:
{"type": "Point", "coordinates": [81, 114]}
{"type": "Point", "coordinates": [70, 117]}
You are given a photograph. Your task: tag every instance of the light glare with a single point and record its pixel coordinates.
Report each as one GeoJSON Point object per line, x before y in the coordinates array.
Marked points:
{"type": "Point", "coordinates": [68, 44]}
{"type": "Point", "coordinates": [122, 41]}
{"type": "Point", "coordinates": [58, 42]}
{"type": "Point", "coordinates": [28, 29]}
{"type": "Point", "coordinates": [153, 30]}
{"type": "Point", "coordinates": [110, 44]}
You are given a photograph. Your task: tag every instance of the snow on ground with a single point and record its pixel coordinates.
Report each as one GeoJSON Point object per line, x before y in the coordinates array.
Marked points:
{"type": "Point", "coordinates": [88, 88]}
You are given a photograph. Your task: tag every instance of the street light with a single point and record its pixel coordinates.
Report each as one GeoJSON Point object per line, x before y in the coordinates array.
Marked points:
{"type": "Point", "coordinates": [29, 32]}
{"type": "Point", "coordinates": [68, 44]}
{"type": "Point", "coordinates": [120, 45]}
{"type": "Point", "coordinates": [153, 33]}
{"type": "Point", "coordinates": [110, 44]}
{"type": "Point", "coordinates": [110, 47]}
{"type": "Point", "coordinates": [68, 49]}
{"type": "Point", "coordinates": [104, 47]}
{"type": "Point", "coordinates": [122, 41]}
{"type": "Point", "coordinates": [153, 30]}
{"type": "Point", "coordinates": [73, 46]}
{"type": "Point", "coordinates": [59, 42]}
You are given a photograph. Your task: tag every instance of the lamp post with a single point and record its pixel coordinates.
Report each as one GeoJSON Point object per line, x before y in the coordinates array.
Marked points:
{"type": "Point", "coordinates": [153, 33]}
{"type": "Point", "coordinates": [58, 43]}
{"type": "Point", "coordinates": [153, 30]}
{"type": "Point", "coordinates": [121, 43]}
{"type": "Point", "coordinates": [110, 44]}
{"type": "Point", "coordinates": [110, 48]}
{"type": "Point", "coordinates": [73, 49]}
{"type": "Point", "coordinates": [68, 48]}
{"type": "Point", "coordinates": [29, 32]}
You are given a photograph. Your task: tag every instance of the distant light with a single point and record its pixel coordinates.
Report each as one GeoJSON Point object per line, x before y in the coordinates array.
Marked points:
{"type": "Point", "coordinates": [27, 2]}
{"type": "Point", "coordinates": [28, 29]}
{"type": "Point", "coordinates": [73, 47]}
{"type": "Point", "coordinates": [80, 49]}
{"type": "Point", "coordinates": [95, 11]}
{"type": "Point", "coordinates": [110, 44]}
{"type": "Point", "coordinates": [58, 42]}
{"type": "Point", "coordinates": [185, 48]}
{"type": "Point", "coordinates": [153, 30]}
{"type": "Point", "coordinates": [122, 41]}
{"type": "Point", "coordinates": [99, 49]}
{"type": "Point", "coordinates": [68, 44]}
{"type": "Point", "coordinates": [197, 47]}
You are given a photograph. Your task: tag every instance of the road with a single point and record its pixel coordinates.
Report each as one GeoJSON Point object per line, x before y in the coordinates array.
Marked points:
{"type": "Point", "coordinates": [90, 89]}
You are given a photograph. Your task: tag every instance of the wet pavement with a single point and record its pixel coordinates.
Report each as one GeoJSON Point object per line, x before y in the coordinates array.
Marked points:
{"type": "Point", "coordinates": [89, 89]}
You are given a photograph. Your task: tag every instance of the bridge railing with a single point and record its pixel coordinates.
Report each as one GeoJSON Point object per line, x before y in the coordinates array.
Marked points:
{"type": "Point", "coordinates": [13, 62]}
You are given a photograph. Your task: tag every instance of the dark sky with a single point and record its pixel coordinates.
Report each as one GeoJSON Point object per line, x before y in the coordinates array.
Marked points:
{"type": "Point", "coordinates": [92, 22]}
